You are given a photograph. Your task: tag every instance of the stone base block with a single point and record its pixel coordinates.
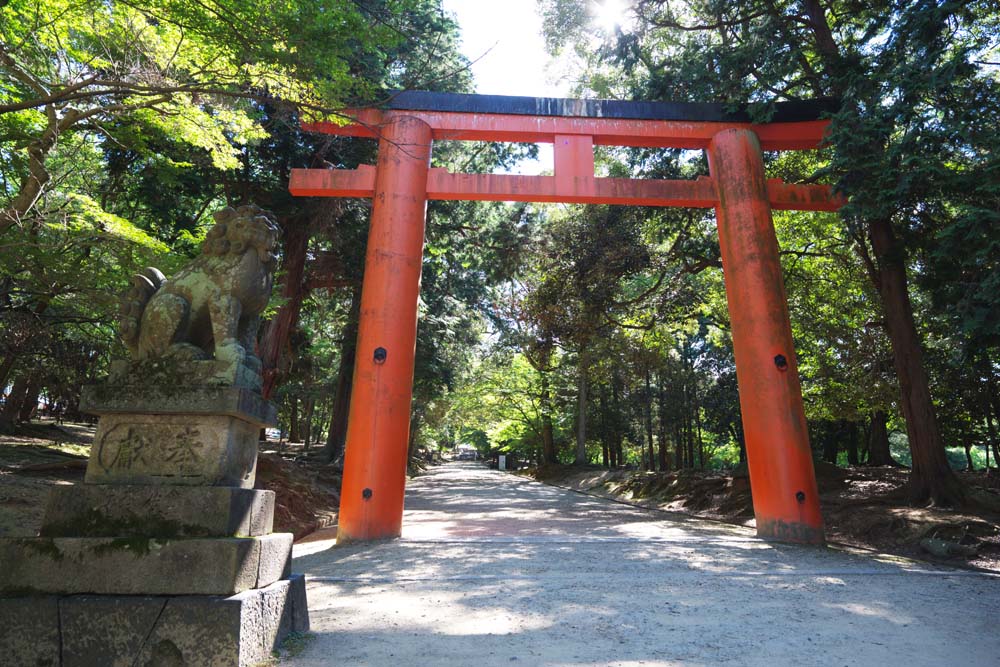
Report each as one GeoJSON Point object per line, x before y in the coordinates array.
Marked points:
{"type": "Point", "coordinates": [188, 450]}
{"type": "Point", "coordinates": [113, 631]}
{"type": "Point", "coordinates": [163, 512]}
{"type": "Point", "coordinates": [143, 566]}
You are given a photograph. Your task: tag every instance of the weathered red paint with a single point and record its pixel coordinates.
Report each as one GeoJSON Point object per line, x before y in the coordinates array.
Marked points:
{"type": "Point", "coordinates": [784, 486]}
{"type": "Point", "coordinates": [441, 184]}
{"type": "Point", "coordinates": [371, 504]}
{"type": "Point", "coordinates": [447, 125]}
{"type": "Point", "coordinates": [785, 498]}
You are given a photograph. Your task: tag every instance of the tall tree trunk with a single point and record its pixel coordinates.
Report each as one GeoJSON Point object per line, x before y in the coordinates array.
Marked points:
{"type": "Point", "coordinates": [678, 447]}
{"type": "Point", "coordinates": [336, 436]}
{"type": "Point", "coordinates": [12, 406]}
{"type": "Point", "coordinates": [607, 459]}
{"type": "Point", "coordinates": [29, 404]}
{"type": "Point", "coordinates": [274, 343]}
{"type": "Point", "coordinates": [661, 402]}
{"type": "Point", "coordinates": [580, 457]}
{"type": "Point", "coordinates": [293, 420]}
{"type": "Point", "coordinates": [852, 443]}
{"type": "Point", "coordinates": [6, 366]}
{"type": "Point", "coordinates": [990, 422]}
{"type": "Point", "coordinates": [830, 444]}
{"type": "Point", "coordinates": [701, 440]}
{"type": "Point", "coordinates": [931, 477]}
{"type": "Point", "coordinates": [310, 404]}
{"type": "Point", "coordinates": [617, 431]}
{"type": "Point", "coordinates": [689, 435]}
{"type": "Point", "coordinates": [548, 440]}
{"type": "Point", "coordinates": [649, 422]}
{"type": "Point", "coordinates": [878, 441]}
{"type": "Point", "coordinates": [969, 465]}
{"type": "Point", "coordinates": [991, 431]}
{"type": "Point", "coordinates": [737, 432]}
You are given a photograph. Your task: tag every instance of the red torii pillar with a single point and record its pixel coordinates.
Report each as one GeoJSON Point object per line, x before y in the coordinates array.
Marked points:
{"type": "Point", "coordinates": [378, 427]}
{"type": "Point", "coordinates": [785, 497]}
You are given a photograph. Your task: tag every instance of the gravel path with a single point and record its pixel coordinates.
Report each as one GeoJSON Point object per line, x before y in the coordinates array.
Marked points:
{"type": "Point", "coordinates": [493, 569]}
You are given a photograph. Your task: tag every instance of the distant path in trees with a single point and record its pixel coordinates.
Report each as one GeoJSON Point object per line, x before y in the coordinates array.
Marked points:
{"type": "Point", "coordinates": [497, 570]}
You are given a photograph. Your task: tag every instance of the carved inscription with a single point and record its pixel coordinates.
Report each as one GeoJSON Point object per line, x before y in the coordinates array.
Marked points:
{"type": "Point", "coordinates": [123, 448]}
{"type": "Point", "coordinates": [174, 449]}
{"type": "Point", "coordinates": [183, 449]}
{"type": "Point", "coordinates": [163, 449]}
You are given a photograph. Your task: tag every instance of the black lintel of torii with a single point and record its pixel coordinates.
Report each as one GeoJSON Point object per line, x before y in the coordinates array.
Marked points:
{"type": "Point", "coordinates": [781, 112]}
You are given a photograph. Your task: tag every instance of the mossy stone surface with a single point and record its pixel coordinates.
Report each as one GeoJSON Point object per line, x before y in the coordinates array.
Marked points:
{"type": "Point", "coordinates": [166, 512]}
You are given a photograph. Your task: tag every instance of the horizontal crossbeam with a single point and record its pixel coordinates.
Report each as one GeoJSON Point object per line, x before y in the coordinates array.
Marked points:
{"type": "Point", "coordinates": [802, 135]}
{"type": "Point", "coordinates": [443, 185]}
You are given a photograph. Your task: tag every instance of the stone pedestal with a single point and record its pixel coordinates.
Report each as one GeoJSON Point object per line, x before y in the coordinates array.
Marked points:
{"type": "Point", "coordinates": [127, 630]}
{"type": "Point", "coordinates": [165, 555]}
{"type": "Point", "coordinates": [197, 435]}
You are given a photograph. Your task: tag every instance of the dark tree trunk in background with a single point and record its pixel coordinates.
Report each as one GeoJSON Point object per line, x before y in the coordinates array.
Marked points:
{"type": "Point", "coordinates": [992, 417]}
{"type": "Point", "coordinates": [6, 366]}
{"type": "Point", "coordinates": [661, 402]}
{"type": "Point", "coordinates": [931, 478]}
{"type": "Point", "coordinates": [969, 465]}
{"type": "Point", "coordinates": [991, 431]}
{"type": "Point", "coordinates": [12, 406]}
{"type": "Point", "coordinates": [852, 443]}
{"type": "Point", "coordinates": [29, 404]}
{"type": "Point", "coordinates": [278, 330]}
{"type": "Point", "coordinates": [548, 440]}
{"type": "Point", "coordinates": [293, 420]}
{"type": "Point", "coordinates": [678, 447]}
{"type": "Point", "coordinates": [648, 399]}
{"type": "Point", "coordinates": [701, 440]}
{"type": "Point", "coordinates": [737, 432]}
{"type": "Point", "coordinates": [829, 444]}
{"type": "Point", "coordinates": [580, 458]}
{"type": "Point", "coordinates": [339, 411]}
{"type": "Point", "coordinates": [602, 405]}
{"type": "Point", "coordinates": [878, 441]}
{"type": "Point", "coordinates": [310, 404]}
{"type": "Point", "coordinates": [617, 436]}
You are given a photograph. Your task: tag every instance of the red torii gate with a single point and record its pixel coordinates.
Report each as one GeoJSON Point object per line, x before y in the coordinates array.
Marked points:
{"type": "Point", "coordinates": [785, 498]}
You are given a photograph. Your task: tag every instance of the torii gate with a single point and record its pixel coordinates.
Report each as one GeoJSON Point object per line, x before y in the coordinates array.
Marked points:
{"type": "Point", "coordinates": [777, 444]}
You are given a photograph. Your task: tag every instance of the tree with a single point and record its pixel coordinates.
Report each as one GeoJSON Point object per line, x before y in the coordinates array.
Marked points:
{"type": "Point", "coordinates": [907, 75]}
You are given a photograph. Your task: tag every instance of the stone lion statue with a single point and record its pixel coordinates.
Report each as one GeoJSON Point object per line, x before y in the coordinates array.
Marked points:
{"type": "Point", "coordinates": [211, 307]}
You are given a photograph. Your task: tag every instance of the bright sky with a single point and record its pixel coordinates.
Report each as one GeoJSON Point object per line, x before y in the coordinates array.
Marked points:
{"type": "Point", "coordinates": [504, 41]}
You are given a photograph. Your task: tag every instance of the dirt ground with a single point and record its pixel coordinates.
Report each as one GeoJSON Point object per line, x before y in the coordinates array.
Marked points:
{"type": "Point", "coordinates": [862, 507]}
{"type": "Point", "coordinates": [493, 569]}
{"type": "Point", "coordinates": [44, 454]}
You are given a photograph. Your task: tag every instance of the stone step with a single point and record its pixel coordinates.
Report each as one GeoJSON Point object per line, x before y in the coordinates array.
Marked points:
{"type": "Point", "coordinates": [143, 566]}
{"type": "Point", "coordinates": [108, 630]}
{"type": "Point", "coordinates": [165, 512]}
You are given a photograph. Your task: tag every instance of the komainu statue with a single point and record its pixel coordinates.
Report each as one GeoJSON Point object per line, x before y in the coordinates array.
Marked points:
{"type": "Point", "coordinates": [211, 307]}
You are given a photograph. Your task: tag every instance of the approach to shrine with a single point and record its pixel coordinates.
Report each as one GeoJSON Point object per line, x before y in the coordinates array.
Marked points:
{"type": "Point", "coordinates": [785, 497]}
